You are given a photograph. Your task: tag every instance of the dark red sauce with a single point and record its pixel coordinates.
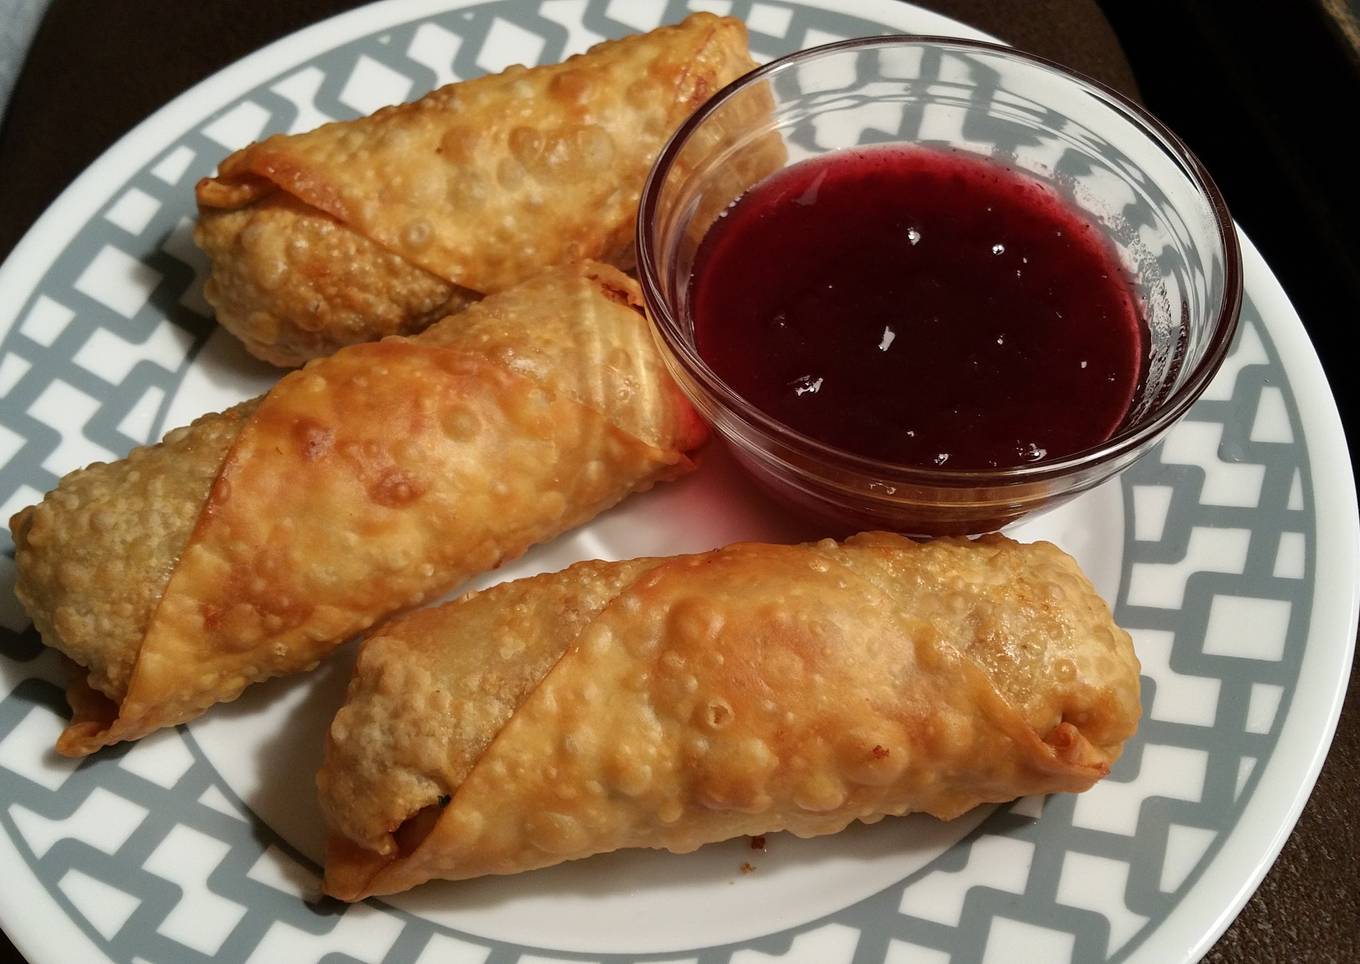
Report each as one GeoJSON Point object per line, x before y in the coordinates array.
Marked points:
{"type": "Point", "coordinates": [921, 307]}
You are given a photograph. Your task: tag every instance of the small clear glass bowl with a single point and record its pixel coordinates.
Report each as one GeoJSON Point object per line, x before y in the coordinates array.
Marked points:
{"type": "Point", "coordinates": [1121, 167]}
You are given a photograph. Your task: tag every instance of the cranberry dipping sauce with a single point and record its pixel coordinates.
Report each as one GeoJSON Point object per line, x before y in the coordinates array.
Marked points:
{"type": "Point", "coordinates": [922, 307]}
{"type": "Point", "coordinates": [930, 333]}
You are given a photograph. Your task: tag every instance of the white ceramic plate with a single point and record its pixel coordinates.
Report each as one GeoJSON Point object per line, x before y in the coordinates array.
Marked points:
{"type": "Point", "coordinates": [202, 842]}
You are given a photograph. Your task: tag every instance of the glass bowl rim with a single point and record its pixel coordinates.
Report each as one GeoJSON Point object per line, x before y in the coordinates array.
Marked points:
{"type": "Point", "coordinates": [1153, 424]}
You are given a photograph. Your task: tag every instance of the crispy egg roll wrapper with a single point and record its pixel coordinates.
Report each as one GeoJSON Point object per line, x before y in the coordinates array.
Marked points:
{"type": "Point", "coordinates": [670, 703]}
{"type": "Point", "coordinates": [293, 283]}
{"type": "Point", "coordinates": [380, 225]}
{"type": "Point", "coordinates": [252, 543]}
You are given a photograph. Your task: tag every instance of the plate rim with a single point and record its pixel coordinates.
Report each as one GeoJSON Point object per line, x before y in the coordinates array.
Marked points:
{"type": "Point", "coordinates": [1336, 599]}
{"type": "Point", "coordinates": [1286, 784]}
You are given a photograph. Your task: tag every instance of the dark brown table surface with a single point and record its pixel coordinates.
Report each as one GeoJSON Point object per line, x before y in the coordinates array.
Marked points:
{"type": "Point", "coordinates": [97, 68]}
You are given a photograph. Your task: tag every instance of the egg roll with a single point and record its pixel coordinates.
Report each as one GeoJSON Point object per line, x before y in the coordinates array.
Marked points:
{"type": "Point", "coordinates": [384, 224]}
{"type": "Point", "coordinates": [669, 703]}
{"type": "Point", "coordinates": [253, 542]}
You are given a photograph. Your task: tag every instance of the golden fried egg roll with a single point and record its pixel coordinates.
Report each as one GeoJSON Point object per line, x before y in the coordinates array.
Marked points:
{"type": "Point", "coordinates": [252, 543]}
{"type": "Point", "coordinates": [670, 703]}
{"type": "Point", "coordinates": [384, 224]}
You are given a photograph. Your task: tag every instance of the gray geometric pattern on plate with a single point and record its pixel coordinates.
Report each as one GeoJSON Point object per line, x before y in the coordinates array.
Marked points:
{"type": "Point", "coordinates": [1225, 636]}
